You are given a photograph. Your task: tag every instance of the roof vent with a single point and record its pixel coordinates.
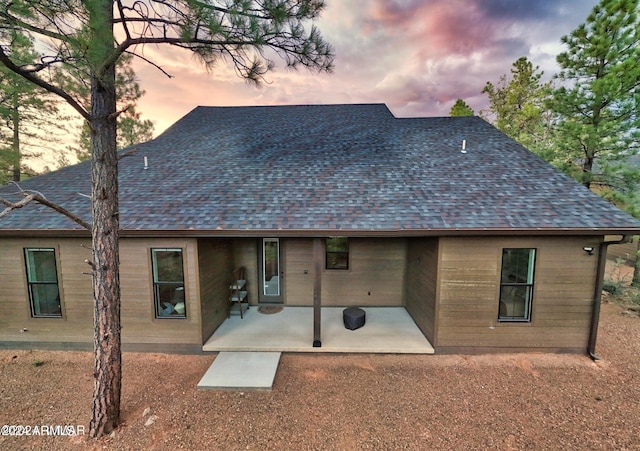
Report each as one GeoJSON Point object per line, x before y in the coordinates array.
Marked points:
{"type": "Point", "coordinates": [464, 146]}
{"type": "Point", "coordinates": [146, 163]}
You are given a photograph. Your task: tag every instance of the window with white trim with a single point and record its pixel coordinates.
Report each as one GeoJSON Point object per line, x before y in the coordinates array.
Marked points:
{"type": "Point", "coordinates": [168, 283]}
{"type": "Point", "coordinates": [516, 285]}
{"type": "Point", "coordinates": [42, 282]}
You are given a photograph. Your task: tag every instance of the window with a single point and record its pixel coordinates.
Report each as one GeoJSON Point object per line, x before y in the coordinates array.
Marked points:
{"type": "Point", "coordinates": [516, 284]}
{"type": "Point", "coordinates": [168, 283]}
{"type": "Point", "coordinates": [42, 283]}
{"type": "Point", "coordinates": [337, 253]}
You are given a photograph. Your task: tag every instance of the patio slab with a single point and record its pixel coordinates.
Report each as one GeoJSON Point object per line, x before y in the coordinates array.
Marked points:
{"type": "Point", "coordinates": [387, 330]}
{"type": "Point", "coordinates": [241, 371]}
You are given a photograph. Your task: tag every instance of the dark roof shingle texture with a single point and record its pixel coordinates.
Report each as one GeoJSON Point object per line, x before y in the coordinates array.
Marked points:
{"type": "Point", "coordinates": [329, 167]}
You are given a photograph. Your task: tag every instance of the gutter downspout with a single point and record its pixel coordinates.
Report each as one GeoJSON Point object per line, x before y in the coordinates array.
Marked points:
{"type": "Point", "coordinates": [597, 295]}
{"type": "Point", "coordinates": [317, 292]}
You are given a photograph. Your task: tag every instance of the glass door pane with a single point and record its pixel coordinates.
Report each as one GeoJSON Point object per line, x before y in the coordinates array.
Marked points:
{"type": "Point", "coordinates": [271, 289]}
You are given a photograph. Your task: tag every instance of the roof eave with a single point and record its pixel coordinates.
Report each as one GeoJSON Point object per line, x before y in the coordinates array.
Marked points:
{"type": "Point", "coordinates": [45, 233]}
{"type": "Point", "coordinates": [236, 233]}
{"type": "Point", "coordinates": [230, 233]}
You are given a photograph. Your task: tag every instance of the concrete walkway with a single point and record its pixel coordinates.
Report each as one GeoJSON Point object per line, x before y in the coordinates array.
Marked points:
{"type": "Point", "coordinates": [387, 330]}
{"type": "Point", "coordinates": [241, 371]}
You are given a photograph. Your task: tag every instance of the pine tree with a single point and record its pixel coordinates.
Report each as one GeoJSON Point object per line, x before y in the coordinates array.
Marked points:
{"type": "Point", "coordinates": [28, 114]}
{"type": "Point", "coordinates": [460, 108]}
{"type": "Point", "coordinates": [596, 106]}
{"type": "Point", "coordinates": [97, 33]}
{"type": "Point", "coordinates": [517, 106]}
{"type": "Point", "coordinates": [132, 129]}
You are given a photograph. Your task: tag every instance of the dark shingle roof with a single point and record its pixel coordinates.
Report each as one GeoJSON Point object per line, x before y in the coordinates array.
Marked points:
{"type": "Point", "coordinates": [329, 168]}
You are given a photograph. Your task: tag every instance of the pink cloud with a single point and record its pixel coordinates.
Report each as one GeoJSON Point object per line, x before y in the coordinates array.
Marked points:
{"type": "Point", "coordinates": [416, 56]}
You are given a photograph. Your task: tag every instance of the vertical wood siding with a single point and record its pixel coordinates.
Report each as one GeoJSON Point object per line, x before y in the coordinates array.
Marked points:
{"type": "Point", "coordinates": [422, 282]}
{"type": "Point", "coordinates": [469, 286]}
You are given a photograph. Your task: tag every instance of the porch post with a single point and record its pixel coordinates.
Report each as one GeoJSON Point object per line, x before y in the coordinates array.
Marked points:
{"type": "Point", "coordinates": [317, 290]}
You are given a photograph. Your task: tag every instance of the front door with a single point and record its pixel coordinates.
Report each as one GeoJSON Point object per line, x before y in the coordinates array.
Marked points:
{"type": "Point", "coordinates": [271, 271]}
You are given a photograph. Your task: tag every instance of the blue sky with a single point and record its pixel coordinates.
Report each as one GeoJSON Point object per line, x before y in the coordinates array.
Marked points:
{"type": "Point", "coordinates": [417, 56]}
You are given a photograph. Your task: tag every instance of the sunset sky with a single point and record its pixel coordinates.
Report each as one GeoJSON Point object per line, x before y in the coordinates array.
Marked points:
{"type": "Point", "coordinates": [416, 56]}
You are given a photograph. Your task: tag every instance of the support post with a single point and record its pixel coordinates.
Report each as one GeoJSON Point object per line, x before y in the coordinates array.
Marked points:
{"type": "Point", "coordinates": [317, 291]}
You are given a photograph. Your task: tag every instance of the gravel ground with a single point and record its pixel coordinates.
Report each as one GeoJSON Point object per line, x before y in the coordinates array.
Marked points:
{"type": "Point", "coordinates": [345, 402]}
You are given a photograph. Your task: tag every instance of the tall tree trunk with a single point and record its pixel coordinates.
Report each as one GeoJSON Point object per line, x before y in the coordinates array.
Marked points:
{"type": "Point", "coordinates": [587, 167]}
{"type": "Point", "coordinates": [636, 271]}
{"type": "Point", "coordinates": [104, 194]}
{"type": "Point", "coordinates": [15, 147]}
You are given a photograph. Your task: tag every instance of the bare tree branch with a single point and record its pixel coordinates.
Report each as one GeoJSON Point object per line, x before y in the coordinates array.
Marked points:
{"type": "Point", "coordinates": [16, 22]}
{"type": "Point", "coordinates": [12, 206]}
{"type": "Point", "coordinates": [39, 198]}
{"type": "Point", "coordinates": [147, 60]}
{"type": "Point", "coordinates": [128, 153]}
{"type": "Point", "coordinates": [62, 210]}
{"type": "Point", "coordinates": [4, 59]}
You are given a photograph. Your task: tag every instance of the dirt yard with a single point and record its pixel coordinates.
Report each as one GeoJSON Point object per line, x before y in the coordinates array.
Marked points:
{"type": "Point", "coordinates": [343, 402]}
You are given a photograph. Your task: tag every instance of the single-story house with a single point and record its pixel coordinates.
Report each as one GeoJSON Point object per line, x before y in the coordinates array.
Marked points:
{"type": "Point", "coordinates": [485, 245]}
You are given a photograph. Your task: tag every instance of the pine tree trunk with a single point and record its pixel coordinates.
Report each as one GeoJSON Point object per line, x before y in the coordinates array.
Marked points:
{"type": "Point", "coordinates": [636, 272]}
{"type": "Point", "coordinates": [587, 167]}
{"type": "Point", "coordinates": [105, 226]}
{"type": "Point", "coordinates": [15, 148]}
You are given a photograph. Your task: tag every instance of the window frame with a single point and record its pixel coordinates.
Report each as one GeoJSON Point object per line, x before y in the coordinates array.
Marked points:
{"type": "Point", "coordinates": [32, 283]}
{"type": "Point", "coordinates": [528, 285]}
{"type": "Point", "coordinates": [330, 255]}
{"type": "Point", "coordinates": [158, 284]}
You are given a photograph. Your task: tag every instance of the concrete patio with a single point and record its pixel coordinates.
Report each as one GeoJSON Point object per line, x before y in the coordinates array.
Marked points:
{"type": "Point", "coordinates": [388, 330]}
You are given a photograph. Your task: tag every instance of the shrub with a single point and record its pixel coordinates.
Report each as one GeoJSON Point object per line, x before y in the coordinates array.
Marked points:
{"type": "Point", "coordinates": [612, 287]}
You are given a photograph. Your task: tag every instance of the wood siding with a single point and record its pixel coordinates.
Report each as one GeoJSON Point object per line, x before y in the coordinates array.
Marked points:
{"type": "Point", "coordinates": [215, 264]}
{"type": "Point", "coordinates": [16, 323]}
{"type": "Point", "coordinates": [139, 322]}
{"type": "Point", "coordinates": [298, 286]}
{"type": "Point", "coordinates": [375, 276]}
{"type": "Point", "coordinates": [422, 283]}
{"type": "Point", "coordinates": [245, 253]}
{"type": "Point", "coordinates": [139, 325]}
{"type": "Point", "coordinates": [469, 287]}
{"type": "Point", "coordinates": [449, 285]}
